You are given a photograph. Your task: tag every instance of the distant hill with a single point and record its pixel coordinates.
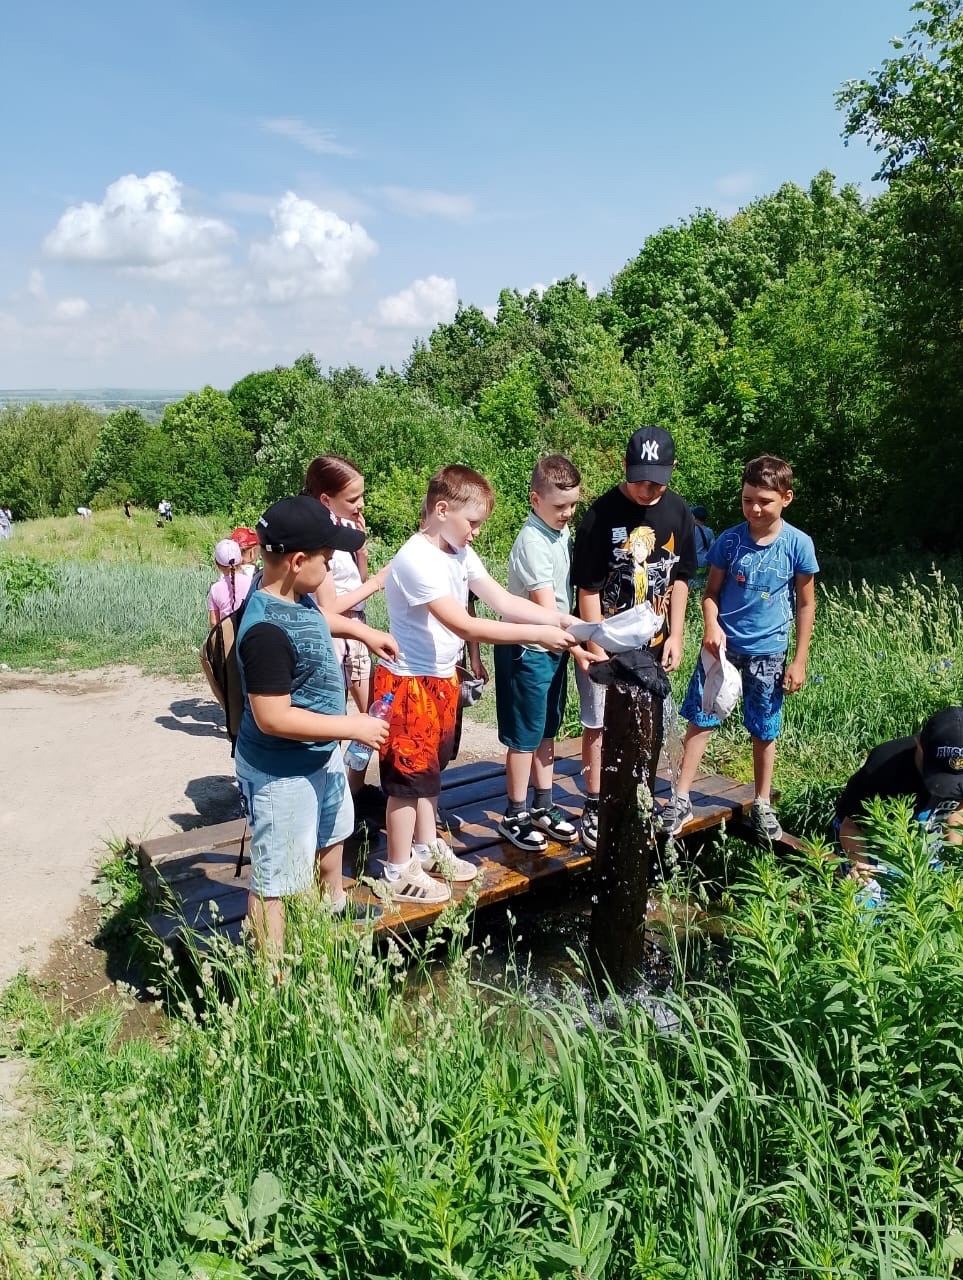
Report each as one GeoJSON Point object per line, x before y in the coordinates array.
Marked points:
{"type": "Point", "coordinates": [149, 401]}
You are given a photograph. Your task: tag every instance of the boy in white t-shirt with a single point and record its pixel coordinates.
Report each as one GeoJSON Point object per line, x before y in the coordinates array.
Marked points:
{"type": "Point", "coordinates": [427, 596]}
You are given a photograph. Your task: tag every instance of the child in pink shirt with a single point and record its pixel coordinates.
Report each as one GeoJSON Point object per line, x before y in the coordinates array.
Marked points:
{"type": "Point", "coordinates": [231, 587]}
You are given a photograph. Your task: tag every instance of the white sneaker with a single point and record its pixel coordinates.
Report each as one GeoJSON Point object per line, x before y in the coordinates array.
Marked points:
{"type": "Point", "coordinates": [440, 859]}
{"type": "Point", "coordinates": [414, 884]}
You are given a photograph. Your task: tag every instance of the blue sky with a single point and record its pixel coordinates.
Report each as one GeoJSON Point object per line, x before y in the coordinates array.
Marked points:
{"type": "Point", "coordinates": [197, 190]}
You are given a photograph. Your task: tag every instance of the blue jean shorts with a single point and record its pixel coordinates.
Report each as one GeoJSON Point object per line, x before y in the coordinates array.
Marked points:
{"type": "Point", "coordinates": [291, 819]}
{"type": "Point", "coordinates": [530, 692]}
{"type": "Point", "coordinates": [762, 695]}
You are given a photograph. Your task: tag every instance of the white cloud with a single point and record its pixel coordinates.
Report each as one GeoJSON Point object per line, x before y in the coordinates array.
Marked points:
{"type": "Point", "coordinates": [196, 272]}
{"type": "Point", "coordinates": [320, 141]}
{"type": "Point", "coordinates": [438, 204]}
{"type": "Point", "coordinates": [139, 223]}
{"type": "Point", "coordinates": [737, 184]}
{"type": "Point", "coordinates": [311, 253]}
{"type": "Point", "coordinates": [425, 302]}
{"type": "Point", "coordinates": [36, 286]}
{"type": "Point", "coordinates": [71, 309]}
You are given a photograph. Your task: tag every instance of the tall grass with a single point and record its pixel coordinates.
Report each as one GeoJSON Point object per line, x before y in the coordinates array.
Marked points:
{"type": "Point", "coordinates": [802, 1115]}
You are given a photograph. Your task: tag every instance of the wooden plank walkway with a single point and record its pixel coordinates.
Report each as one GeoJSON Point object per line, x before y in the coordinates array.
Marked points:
{"type": "Point", "coordinates": [194, 871]}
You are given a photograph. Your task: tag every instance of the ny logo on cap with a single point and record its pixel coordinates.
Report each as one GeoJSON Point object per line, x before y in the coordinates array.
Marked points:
{"type": "Point", "coordinates": [649, 450]}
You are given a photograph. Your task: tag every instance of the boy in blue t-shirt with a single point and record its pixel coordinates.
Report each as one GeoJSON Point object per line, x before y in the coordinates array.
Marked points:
{"type": "Point", "coordinates": [289, 764]}
{"type": "Point", "coordinates": [760, 580]}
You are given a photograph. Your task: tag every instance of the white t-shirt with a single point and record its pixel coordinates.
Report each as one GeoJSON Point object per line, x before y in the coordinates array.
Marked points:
{"type": "Point", "coordinates": [345, 572]}
{"type": "Point", "coordinates": [421, 572]}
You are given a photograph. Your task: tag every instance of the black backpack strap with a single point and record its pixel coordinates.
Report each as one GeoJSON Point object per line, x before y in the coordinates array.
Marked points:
{"type": "Point", "coordinates": [240, 851]}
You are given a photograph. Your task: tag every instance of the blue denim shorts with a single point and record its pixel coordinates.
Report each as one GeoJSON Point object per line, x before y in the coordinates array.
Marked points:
{"type": "Point", "coordinates": [290, 820]}
{"type": "Point", "coordinates": [762, 695]}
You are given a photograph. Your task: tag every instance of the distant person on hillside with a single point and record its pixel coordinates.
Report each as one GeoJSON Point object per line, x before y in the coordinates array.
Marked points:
{"type": "Point", "coordinates": [926, 768]}
{"type": "Point", "coordinates": [231, 586]}
{"type": "Point", "coordinates": [761, 580]}
{"type": "Point", "coordinates": [704, 538]}
{"type": "Point", "coordinates": [6, 522]}
{"type": "Point", "coordinates": [164, 510]}
{"type": "Point", "coordinates": [127, 508]}
{"type": "Point", "coordinates": [84, 512]}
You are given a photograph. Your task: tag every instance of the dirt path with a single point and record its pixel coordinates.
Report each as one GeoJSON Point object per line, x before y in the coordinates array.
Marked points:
{"type": "Point", "coordinates": [91, 757]}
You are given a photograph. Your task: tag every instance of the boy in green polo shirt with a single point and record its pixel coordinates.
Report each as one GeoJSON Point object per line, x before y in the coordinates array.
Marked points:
{"type": "Point", "coordinates": [530, 683]}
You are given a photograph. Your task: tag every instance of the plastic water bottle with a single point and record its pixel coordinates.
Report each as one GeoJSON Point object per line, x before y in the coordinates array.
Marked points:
{"type": "Point", "coordinates": [357, 754]}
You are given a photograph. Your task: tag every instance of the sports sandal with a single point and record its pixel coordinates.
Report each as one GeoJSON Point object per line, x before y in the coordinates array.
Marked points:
{"type": "Point", "coordinates": [517, 827]}
{"type": "Point", "coordinates": [414, 885]}
{"type": "Point", "coordinates": [439, 859]}
{"type": "Point", "coordinates": [554, 823]}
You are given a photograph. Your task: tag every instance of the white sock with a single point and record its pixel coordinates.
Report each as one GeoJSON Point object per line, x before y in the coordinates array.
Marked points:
{"type": "Point", "coordinates": [682, 795]}
{"type": "Point", "coordinates": [393, 870]}
{"type": "Point", "coordinates": [338, 907]}
{"type": "Point", "coordinates": [421, 850]}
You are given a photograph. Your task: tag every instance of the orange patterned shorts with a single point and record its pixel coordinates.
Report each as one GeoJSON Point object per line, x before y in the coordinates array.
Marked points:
{"type": "Point", "coordinates": [421, 732]}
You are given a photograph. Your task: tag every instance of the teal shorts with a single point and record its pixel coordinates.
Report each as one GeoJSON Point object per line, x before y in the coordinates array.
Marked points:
{"type": "Point", "coordinates": [530, 691]}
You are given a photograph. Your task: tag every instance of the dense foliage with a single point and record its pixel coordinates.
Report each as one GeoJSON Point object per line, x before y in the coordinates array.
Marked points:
{"type": "Point", "coordinates": [812, 323]}
{"type": "Point", "coordinates": [797, 1114]}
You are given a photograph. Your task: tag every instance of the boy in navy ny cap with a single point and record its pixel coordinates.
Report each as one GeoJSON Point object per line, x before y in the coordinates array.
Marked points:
{"type": "Point", "coordinates": [634, 543]}
{"type": "Point", "coordinates": [289, 764]}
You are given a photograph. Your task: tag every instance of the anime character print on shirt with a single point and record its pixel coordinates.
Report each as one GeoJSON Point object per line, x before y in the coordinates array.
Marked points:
{"type": "Point", "coordinates": [636, 576]}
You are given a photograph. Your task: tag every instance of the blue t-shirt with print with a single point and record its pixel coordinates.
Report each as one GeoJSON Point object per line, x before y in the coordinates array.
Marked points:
{"type": "Point", "coordinates": [757, 602]}
{"type": "Point", "coordinates": [284, 647]}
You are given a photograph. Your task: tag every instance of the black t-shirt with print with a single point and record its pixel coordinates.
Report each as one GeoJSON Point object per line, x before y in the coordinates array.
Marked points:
{"type": "Point", "coordinates": [629, 553]}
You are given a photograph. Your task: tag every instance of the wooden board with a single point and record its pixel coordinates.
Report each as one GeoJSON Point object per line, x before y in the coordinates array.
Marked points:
{"type": "Point", "coordinates": [193, 874]}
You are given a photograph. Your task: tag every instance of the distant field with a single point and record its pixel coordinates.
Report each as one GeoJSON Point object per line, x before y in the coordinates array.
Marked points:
{"type": "Point", "coordinates": [101, 399]}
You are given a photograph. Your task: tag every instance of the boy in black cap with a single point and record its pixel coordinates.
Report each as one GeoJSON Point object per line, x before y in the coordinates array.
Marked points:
{"type": "Point", "coordinates": [289, 764]}
{"type": "Point", "coordinates": [635, 543]}
{"type": "Point", "coordinates": [927, 768]}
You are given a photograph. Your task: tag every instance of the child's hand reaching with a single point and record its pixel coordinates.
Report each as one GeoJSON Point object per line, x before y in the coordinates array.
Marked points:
{"type": "Point", "coordinates": [554, 639]}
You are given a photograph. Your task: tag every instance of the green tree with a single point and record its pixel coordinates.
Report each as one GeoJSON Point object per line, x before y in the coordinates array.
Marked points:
{"type": "Point", "coordinates": [45, 451]}
{"type": "Point", "coordinates": [910, 112]}
{"type": "Point", "coordinates": [207, 453]}
{"type": "Point", "coordinates": [110, 475]}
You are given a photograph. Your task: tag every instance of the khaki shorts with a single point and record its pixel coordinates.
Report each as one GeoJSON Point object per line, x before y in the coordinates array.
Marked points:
{"type": "Point", "coordinates": [354, 659]}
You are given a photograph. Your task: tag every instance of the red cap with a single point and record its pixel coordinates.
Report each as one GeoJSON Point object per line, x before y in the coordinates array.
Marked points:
{"type": "Point", "coordinates": [244, 537]}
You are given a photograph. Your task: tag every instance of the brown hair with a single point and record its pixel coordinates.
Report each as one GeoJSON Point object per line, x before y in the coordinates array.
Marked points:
{"type": "Point", "coordinates": [555, 470]}
{"type": "Point", "coordinates": [768, 472]}
{"type": "Point", "coordinates": [329, 474]}
{"type": "Point", "coordinates": [458, 486]}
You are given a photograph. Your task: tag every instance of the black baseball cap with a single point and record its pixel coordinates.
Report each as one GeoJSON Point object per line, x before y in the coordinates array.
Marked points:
{"type": "Point", "coordinates": [942, 741]}
{"type": "Point", "coordinates": [305, 524]}
{"type": "Point", "coordinates": [650, 455]}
